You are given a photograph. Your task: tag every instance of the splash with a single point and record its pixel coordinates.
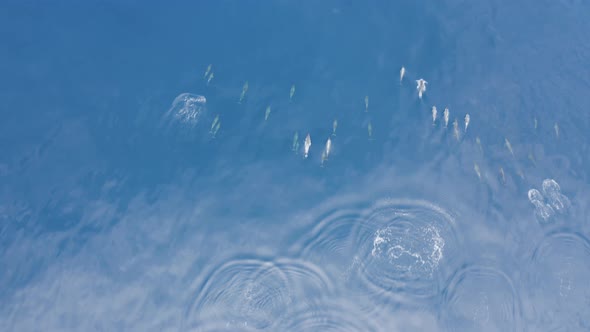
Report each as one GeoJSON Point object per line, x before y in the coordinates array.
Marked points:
{"type": "Point", "coordinates": [187, 108]}
{"type": "Point", "coordinates": [412, 251]}
{"type": "Point", "coordinates": [187, 119]}
{"type": "Point", "coordinates": [391, 251]}
{"type": "Point", "coordinates": [557, 200]}
{"type": "Point", "coordinates": [549, 203]}
{"type": "Point", "coordinates": [542, 210]}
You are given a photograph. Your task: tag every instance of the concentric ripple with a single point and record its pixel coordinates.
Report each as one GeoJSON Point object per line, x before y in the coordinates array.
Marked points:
{"type": "Point", "coordinates": [329, 243]}
{"type": "Point", "coordinates": [218, 326]}
{"type": "Point", "coordinates": [481, 299]}
{"type": "Point", "coordinates": [341, 316]}
{"type": "Point", "coordinates": [402, 246]}
{"type": "Point", "coordinates": [254, 293]}
{"type": "Point", "coordinates": [393, 250]}
{"type": "Point", "coordinates": [558, 280]}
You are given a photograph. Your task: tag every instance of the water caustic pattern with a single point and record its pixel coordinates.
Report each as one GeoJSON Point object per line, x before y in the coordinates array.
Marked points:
{"type": "Point", "coordinates": [480, 298]}
{"type": "Point", "coordinates": [557, 278]}
{"type": "Point", "coordinates": [254, 293]}
{"type": "Point", "coordinates": [390, 252]}
{"type": "Point", "coordinates": [549, 203]}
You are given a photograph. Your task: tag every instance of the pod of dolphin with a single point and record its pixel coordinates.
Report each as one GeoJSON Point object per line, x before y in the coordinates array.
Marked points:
{"type": "Point", "coordinates": [389, 252]}
{"type": "Point", "coordinates": [421, 85]}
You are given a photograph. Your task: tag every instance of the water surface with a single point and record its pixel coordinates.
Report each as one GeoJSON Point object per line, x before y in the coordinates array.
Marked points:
{"type": "Point", "coordinates": [138, 192]}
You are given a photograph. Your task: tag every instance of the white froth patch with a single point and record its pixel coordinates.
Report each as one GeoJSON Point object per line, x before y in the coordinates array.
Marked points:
{"type": "Point", "coordinates": [187, 108]}
{"type": "Point", "coordinates": [416, 250]}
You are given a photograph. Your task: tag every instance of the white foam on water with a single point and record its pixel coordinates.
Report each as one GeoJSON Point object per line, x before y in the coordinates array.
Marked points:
{"type": "Point", "coordinates": [542, 210]}
{"type": "Point", "coordinates": [555, 198]}
{"type": "Point", "coordinates": [549, 203]}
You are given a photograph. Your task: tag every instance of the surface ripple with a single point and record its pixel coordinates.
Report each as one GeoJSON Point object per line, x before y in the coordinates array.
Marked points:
{"type": "Point", "coordinates": [254, 293]}
{"type": "Point", "coordinates": [558, 280]}
{"type": "Point", "coordinates": [481, 298]}
{"type": "Point", "coordinates": [397, 250]}
{"type": "Point", "coordinates": [334, 316]}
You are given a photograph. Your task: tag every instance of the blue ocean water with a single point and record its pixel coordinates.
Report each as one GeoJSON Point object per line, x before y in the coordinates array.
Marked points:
{"type": "Point", "coordinates": [153, 173]}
